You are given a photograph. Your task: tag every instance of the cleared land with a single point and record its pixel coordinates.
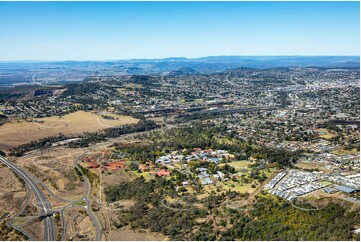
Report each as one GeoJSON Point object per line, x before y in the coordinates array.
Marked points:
{"type": "Point", "coordinates": [310, 165]}
{"type": "Point", "coordinates": [130, 235]}
{"type": "Point", "coordinates": [80, 226]}
{"type": "Point", "coordinates": [55, 168]}
{"type": "Point", "coordinates": [12, 193]}
{"type": "Point", "coordinates": [15, 133]}
{"type": "Point", "coordinates": [238, 165]}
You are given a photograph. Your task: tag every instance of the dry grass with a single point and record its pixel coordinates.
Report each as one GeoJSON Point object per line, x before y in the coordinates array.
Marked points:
{"type": "Point", "coordinates": [125, 234]}
{"type": "Point", "coordinates": [35, 229]}
{"type": "Point", "coordinates": [55, 168]}
{"type": "Point", "coordinates": [15, 133]}
{"type": "Point", "coordinates": [345, 152]}
{"type": "Point", "coordinates": [22, 220]}
{"type": "Point", "coordinates": [238, 165]}
{"type": "Point", "coordinates": [309, 165]}
{"type": "Point", "coordinates": [113, 178]}
{"type": "Point", "coordinates": [327, 134]}
{"type": "Point", "coordinates": [80, 226]}
{"type": "Point", "coordinates": [225, 186]}
{"type": "Point", "coordinates": [12, 192]}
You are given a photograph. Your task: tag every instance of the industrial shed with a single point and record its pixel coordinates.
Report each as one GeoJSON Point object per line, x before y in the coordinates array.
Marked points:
{"type": "Point", "coordinates": [347, 189]}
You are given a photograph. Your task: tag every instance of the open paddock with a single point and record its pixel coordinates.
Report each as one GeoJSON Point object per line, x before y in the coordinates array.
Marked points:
{"type": "Point", "coordinates": [17, 132]}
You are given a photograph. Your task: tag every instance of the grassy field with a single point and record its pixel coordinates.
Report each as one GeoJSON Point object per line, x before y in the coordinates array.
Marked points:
{"type": "Point", "coordinates": [225, 186]}
{"type": "Point", "coordinates": [326, 134]}
{"type": "Point", "coordinates": [15, 133]}
{"type": "Point", "coordinates": [146, 175]}
{"type": "Point", "coordinates": [238, 165]}
{"type": "Point", "coordinates": [309, 165]}
{"type": "Point", "coordinates": [80, 203]}
{"type": "Point", "coordinates": [326, 183]}
{"type": "Point", "coordinates": [345, 152]}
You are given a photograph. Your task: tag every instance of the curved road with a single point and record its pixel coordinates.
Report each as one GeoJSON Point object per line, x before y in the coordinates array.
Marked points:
{"type": "Point", "coordinates": [97, 224]}
{"type": "Point", "coordinates": [49, 229]}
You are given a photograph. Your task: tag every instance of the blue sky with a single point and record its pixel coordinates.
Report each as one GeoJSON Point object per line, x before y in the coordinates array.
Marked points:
{"type": "Point", "coordinates": [124, 30]}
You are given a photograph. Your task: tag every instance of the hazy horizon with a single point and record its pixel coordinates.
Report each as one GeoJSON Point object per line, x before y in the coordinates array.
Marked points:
{"type": "Point", "coordinates": [175, 57]}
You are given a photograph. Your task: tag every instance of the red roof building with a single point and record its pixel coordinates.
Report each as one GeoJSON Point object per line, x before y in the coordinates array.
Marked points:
{"type": "Point", "coordinates": [162, 172]}
{"type": "Point", "coordinates": [115, 165]}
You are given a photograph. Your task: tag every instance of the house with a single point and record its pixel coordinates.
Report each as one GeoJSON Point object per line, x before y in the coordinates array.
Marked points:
{"type": "Point", "coordinates": [214, 160]}
{"type": "Point", "coordinates": [162, 172]}
{"type": "Point", "coordinates": [185, 183]}
{"type": "Point", "coordinates": [143, 167]}
{"type": "Point", "coordinates": [164, 160]}
{"type": "Point", "coordinates": [220, 174]}
{"type": "Point", "coordinates": [206, 181]}
{"type": "Point", "coordinates": [216, 176]}
{"type": "Point", "coordinates": [219, 152]}
{"type": "Point", "coordinates": [146, 167]}
{"type": "Point", "coordinates": [203, 174]}
{"type": "Point", "coordinates": [115, 165]}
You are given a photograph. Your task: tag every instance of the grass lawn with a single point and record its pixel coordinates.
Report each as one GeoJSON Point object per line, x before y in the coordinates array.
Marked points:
{"type": "Point", "coordinates": [238, 165]}
{"type": "Point", "coordinates": [146, 175]}
{"type": "Point", "coordinates": [326, 183]}
{"type": "Point", "coordinates": [268, 173]}
{"type": "Point", "coordinates": [80, 203]}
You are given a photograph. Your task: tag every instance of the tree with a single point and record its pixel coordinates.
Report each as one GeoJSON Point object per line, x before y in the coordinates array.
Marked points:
{"type": "Point", "coordinates": [134, 165]}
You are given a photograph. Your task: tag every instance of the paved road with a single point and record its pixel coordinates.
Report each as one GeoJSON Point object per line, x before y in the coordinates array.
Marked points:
{"type": "Point", "coordinates": [96, 222]}
{"type": "Point", "coordinates": [49, 229]}
{"type": "Point", "coordinates": [64, 225]}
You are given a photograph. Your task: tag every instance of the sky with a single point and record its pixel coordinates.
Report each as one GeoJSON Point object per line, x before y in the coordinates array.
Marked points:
{"type": "Point", "coordinates": [126, 30]}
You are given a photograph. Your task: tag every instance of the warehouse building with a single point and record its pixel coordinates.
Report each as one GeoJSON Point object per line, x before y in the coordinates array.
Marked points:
{"type": "Point", "coordinates": [347, 189]}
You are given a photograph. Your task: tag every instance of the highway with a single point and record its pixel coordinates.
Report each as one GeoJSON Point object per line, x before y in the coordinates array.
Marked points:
{"type": "Point", "coordinates": [49, 229]}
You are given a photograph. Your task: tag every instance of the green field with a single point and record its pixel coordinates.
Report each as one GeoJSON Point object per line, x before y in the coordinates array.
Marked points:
{"type": "Point", "coordinates": [326, 183]}
{"type": "Point", "coordinates": [80, 203]}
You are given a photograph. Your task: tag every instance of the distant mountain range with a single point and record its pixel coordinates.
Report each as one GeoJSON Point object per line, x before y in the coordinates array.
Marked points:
{"type": "Point", "coordinates": [15, 72]}
{"type": "Point", "coordinates": [183, 71]}
{"type": "Point", "coordinates": [219, 62]}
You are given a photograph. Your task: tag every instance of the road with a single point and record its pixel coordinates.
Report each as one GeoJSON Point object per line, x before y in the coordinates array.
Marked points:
{"type": "Point", "coordinates": [49, 228]}
{"type": "Point", "coordinates": [34, 185]}
{"type": "Point", "coordinates": [94, 218]}
{"type": "Point", "coordinates": [22, 208]}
